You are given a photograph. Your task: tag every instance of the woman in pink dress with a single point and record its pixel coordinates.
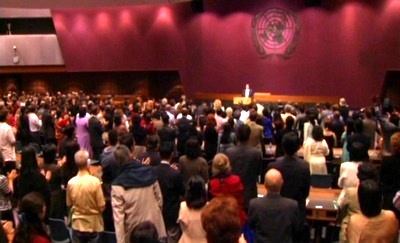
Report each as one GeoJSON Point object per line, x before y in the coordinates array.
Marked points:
{"type": "Point", "coordinates": [82, 129]}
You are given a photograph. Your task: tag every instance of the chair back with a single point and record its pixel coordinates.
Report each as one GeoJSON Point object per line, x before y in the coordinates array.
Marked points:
{"type": "Point", "coordinates": [321, 181]}
{"type": "Point", "coordinates": [108, 237]}
{"type": "Point", "coordinates": [59, 231]}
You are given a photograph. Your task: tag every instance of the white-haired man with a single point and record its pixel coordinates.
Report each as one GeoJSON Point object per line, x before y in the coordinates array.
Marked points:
{"type": "Point", "coordinates": [86, 199]}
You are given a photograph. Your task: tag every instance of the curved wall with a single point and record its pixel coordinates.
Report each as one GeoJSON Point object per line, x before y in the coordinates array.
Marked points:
{"type": "Point", "coordinates": [344, 48]}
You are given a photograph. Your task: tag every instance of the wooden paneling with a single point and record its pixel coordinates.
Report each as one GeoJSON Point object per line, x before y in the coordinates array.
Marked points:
{"type": "Point", "coordinates": [154, 84]}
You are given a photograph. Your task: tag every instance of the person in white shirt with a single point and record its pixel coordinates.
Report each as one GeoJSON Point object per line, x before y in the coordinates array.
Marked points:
{"type": "Point", "coordinates": [34, 125]}
{"type": "Point", "coordinates": [7, 142]}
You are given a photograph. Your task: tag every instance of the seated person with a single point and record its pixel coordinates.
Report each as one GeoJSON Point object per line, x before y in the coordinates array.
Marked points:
{"type": "Point", "coordinates": [373, 224]}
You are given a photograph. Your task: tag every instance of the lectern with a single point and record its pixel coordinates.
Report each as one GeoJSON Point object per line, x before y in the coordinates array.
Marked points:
{"type": "Point", "coordinates": [242, 100]}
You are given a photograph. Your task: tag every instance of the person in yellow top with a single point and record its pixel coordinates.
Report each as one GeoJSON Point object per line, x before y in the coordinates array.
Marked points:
{"type": "Point", "coordinates": [86, 199]}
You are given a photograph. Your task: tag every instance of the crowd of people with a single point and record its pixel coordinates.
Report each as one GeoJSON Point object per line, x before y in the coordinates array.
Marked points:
{"type": "Point", "coordinates": [168, 171]}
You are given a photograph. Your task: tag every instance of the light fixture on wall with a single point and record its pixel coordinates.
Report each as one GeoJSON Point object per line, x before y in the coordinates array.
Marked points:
{"type": "Point", "coordinates": [15, 57]}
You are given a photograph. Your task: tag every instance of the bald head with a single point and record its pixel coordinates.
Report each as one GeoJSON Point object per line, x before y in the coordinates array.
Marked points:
{"type": "Point", "coordinates": [273, 181]}
{"type": "Point", "coordinates": [81, 159]}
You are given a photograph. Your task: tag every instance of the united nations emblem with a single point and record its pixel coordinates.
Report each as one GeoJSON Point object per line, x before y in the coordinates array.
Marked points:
{"type": "Point", "coordinates": [275, 32]}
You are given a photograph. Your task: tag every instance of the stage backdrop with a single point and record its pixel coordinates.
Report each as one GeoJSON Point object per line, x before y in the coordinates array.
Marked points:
{"type": "Point", "coordinates": [343, 47]}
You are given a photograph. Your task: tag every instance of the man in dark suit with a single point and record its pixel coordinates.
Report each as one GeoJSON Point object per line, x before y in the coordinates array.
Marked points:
{"type": "Point", "coordinates": [296, 174]}
{"type": "Point", "coordinates": [172, 189]}
{"type": "Point", "coordinates": [273, 217]}
{"type": "Point", "coordinates": [246, 162]}
{"type": "Point", "coordinates": [95, 133]}
{"type": "Point", "coordinates": [183, 124]}
{"type": "Point", "coordinates": [247, 92]}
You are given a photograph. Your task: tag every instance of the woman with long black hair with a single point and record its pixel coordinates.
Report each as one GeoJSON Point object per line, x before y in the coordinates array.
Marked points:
{"type": "Point", "coordinates": [31, 228]}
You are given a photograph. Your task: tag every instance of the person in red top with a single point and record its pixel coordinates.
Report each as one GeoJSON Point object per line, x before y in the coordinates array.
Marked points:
{"type": "Point", "coordinates": [224, 183]}
{"type": "Point", "coordinates": [31, 229]}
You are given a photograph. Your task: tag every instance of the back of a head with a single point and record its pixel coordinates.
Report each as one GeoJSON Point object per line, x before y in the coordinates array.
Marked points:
{"type": "Point", "coordinates": [192, 149]}
{"type": "Point", "coordinates": [113, 137]}
{"type": "Point", "coordinates": [82, 159]}
{"type": "Point", "coordinates": [82, 111]}
{"type": "Point", "coordinates": [368, 112]}
{"type": "Point", "coordinates": [243, 133]}
{"type": "Point", "coordinates": [221, 164]}
{"type": "Point", "coordinates": [358, 126]}
{"type": "Point", "coordinates": [117, 119]}
{"type": "Point", "coordinates": [94, 110]}
{"type": "Point", "coordinates": [31, 213]}
{"type": "Point", "coordinates": [3, 114]}
{"type": "Point", "coordinates": [367, 171]}
{"type": "Point", "coordinates": [290, 143]}
{"type": "Point", "coordinates": [122, 154]}
{"type": "Point", "coordinates": [289, 122]}
{"type": "Point", "coordinates": [28, 160]}
{"type": "Point", "coordinates": [144, 232]}
{"type": "Point", "coordinates": [395, 143]}
{"type": "Point", "coordinates": [166, 150]}
{"type": "Point", "coordinates": [253, 115]}
{"type": "Point", "coordinates": [49, 153]}
{"type": "Point", "coordinates": [287, 108]}
{"type": "Point", "coordinates": [152, 142]}
{"type": "Point", "coordinates": [185, 111]}
{"type": "Point", "coordinates": [31, 205]}
{"type": "Point", "coordinates": [136, 119]}
{"type": "Point", "coordinates": [317, 133]}
{"type": "Point", "coordinates": [328, 123]}
{"type": "Point", "coordinates": [370, 198]}
{"type": "Point", "coordinates": [273, 181]}
{"type": "Point", "coordinates": [358, 152]}
{"type": "Point", "coordinates": [196, 195]}
{"type": "Point", "coordinates": [221, 221]}
{"type": "Point", "coordinates": [127, 140]}
{"type": "Point", "coordinates": [71, 147]}
{"type": "Point", "coordinates": [69, 131]}
{"type": "Point", "coordinates": [165, 118]}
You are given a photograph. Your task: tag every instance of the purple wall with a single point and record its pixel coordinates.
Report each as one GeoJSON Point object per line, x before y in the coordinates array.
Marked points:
{"type": "Point", "coordinates": [343, 50]}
